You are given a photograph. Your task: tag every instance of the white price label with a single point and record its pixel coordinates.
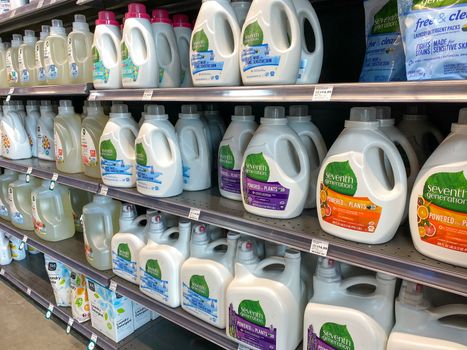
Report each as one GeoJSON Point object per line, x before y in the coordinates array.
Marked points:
{"type": "Point", "coordinates": [103, 190]}
{"type": "Point", "coordinates": [194, 214]}
{"type": "Point", "coordinates": [113, 286]}
{"type": "Point", "coordinates": [92, 96]}
{"type": "Point", "coordinates": [319, 247]}
{"type": "Point", "coordinates": [147, 96]}
{"type": "Point", "coordinates": [23, 242]}
{"type": "Point", "coordinates": [53, 180]}
{"type": "Point", "coordinates": [2, 272]}
{"type": "Point", "coordinates": [28, 174]}
{"type": "Point", "coordinates": [10, 92]}
{"type": "Point", "coordinates": [13, 13]}
{"type": "Point", "coordinates": [322, 93]}
{"type": "Point", "coordinates": [28, 291]}
{"type": "Point", "coordinates": [40, 3]}
{"type": "Point", "coordinates": [92, 342]}
{"type": "Point", "coordinates": [50, 309]}
{"type": "Point", "coordinates": [69, 324]}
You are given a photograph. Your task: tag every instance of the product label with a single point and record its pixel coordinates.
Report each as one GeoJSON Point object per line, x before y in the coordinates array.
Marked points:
{"type": "Point", "coordinates": [25, 76]}
{"type": "Point", "coordinates": [148, 177]}
{"type": "Point", "coordinates": [248, 325]}
{"type": "Point", "coordinates": [74, 70]}
{"type": "Point", "coordinates": [88, 149]}
{"type": "Point", "coordinates": [338, 204]}
{"type": "Point", "coordinates": [258, 192]}
{"type": "Point", "coordinates": [40, 70]}
{"type": "Point", "coordinates": [51, 68]}
{"type": "Point", "coordinates": [3, 209]}
{"type": "Point", "coordinates": [122, 262]}
{"type": "Point", "coordinates": [301, 70]}
{"type": "Point", "coordinates": [204, 63]}
{"type": "Point", "coordinates": [442, 211]}
{"type": "Point", "coordinates": [16, 216]}
{"type": "Point", "coordinates": [39, 226]}
{"type": "Point", "coordinates": [130, 71]}
{"type": "Point", "coordinates": [435, 38]}
{"type": "Point", "coordinates": [111, 166]}
{"type": "Point", "coordinates": [79, 297]}
{"type": "Point", "coordinates": [59, 153]}
{"type": "Point", "coordinates": [99, 72]}
{"type": "Point", "coordinates": [196, 297]}
{"type": "Point", "coordinates": [152, 282]}
{"type": "Point", "coordinates": [10, 69]}
{"type": "Point", "coordinates": [256, 57]}
{"type": "Point", "coordinates": [45, 143]}
{"type": "Point", "coordinates": [6, 143]}
{"type": "Point", "coordinates": [332, 336]}
{"type": "Point", "coordinates": [229, 177]}
{"type": "Point", "coordinates": [186, 174]}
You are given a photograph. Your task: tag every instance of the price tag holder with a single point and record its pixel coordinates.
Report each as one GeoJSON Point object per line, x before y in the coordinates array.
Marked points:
{"type": "Point", "coordinates": [69, 324]}
{"type": "Point", "coordinates": [319, 247]}
{"type": "Point", "coordinates": [322, 93]}
{"type": "Point", "coordinates": [50, 309]}
{"type": "Point", "coordinates": [113, 286]}
{"type": "Point", "coordinates": [103, 190]}
{"type": "Point", "coordinates": [92, 342]}
{"type": "Point", "coordinates": [53, 180]}
{"type": "Point", "coordinates": [28, 174]}
{"type": "Point", "coordinates": [28, 291]}
{"type": "Point", "coordinates": [194, 214]}
{"type": "Point", "coordinates": [92, 96]}
{"type": "Point", "coordinates": [147, 96]}
{"type": "Point", "coordinates": [40, 3]}
{"type": "Point", "coordinates": [23, 242]}
{"type": "Point", "coordinates": [13, 13]}
{"type": "Point", "coordinates": [10, 92]}
{"type": "Point", "coordinates": [2, 272]}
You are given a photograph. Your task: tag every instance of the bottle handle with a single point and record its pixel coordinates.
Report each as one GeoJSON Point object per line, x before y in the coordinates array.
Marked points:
{"type": "Point", "coordinates": [436, 133]}
{"type": "Point", "coordinates": [109, 227]}
{"type": "Point", "coordinates": [319, 143]}
{"type": "Point", "coordinates": [58, 205]}
{"type": "Point", "coordinates": [118, 49]}
{"type": "Point", "coordinates": [173, 52]}
{"type": "Point", "coordinates": [410, 152]}
{"type": "Point", "coordinates": [357, 280]}
{"type": "Point", "coordinates": [292, 19]}
{"type": "Point", "coordinates": [172, 147]}
{"type": "Point", "coordinates": [301, 153]}
{"type": "Point", "coordinates": [448, 310]}
{"type": "Point", "coordinates": [234, 27]}
{"type": "Point", "coordinates": [170, 231]}
{"type": "Point", "coordinates": [273, 260]}
{"type": "Point", "coordinates": [134, 131]}
{"type": "Point", "coordinates": [217, 243]}
{"type": "Point", "coordinates": [18, 126]}
{"type": "Point", "coordinates": [140, 218]}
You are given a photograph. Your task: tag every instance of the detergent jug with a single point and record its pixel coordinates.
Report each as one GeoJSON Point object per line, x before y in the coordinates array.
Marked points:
{"type": "Point", "coordinates": [45, 132]}
{"type": "Point", "coordinates": [356, 200]}
{"type": "Point", "coordinates": [182, 29]}
{"type": "Point", "coordinates": [438, 204]}
{"type": "Point", "coordinates": [161, 259]}
{"type": "Point", "coordinates": [241, 8]}
{"type": "Point", "coordinates": [100, 222]}
{"type": "Point", "coordinates": [300, 121]}
{"type": "Point", "coordinates": [205, 276]}
{"type": "Point", "coordinates": [91, 131]}
{"type": "Point", "coordinates": [19, 198]}
{"type": "Point", "coordinates": [79, 198]}
{"type": "Point", "coordinates": [80, 52]}
{"type": "Point", "coordinates": [52, 213]}
{"type": "Point", "coordinates": [27, 60]}
{"type": "Point", "coordinates": [342, 318]}
{"type": "Point", "coordinates": [106, 52]}
{"type": "Point", "coordinates": [216, 127]}
{"type": "Point", "coordinates": [67, 129]}
{"type": "Point", "coordinates": [275, 174]}
{"type": "Point", "coordinates": [11, 59]}
{"type": "Point", "coordinates": [8, 177]}
{"type": "Point", "coordinates": [271, 43]}
{"type": "Point", "coordinates": [214, 45]}
{"type": "Point", "coordinates": [3, 69]}
{"type": "Point", "coordinates": [32, 118]}
{"type": "Point", "coordinates": [117, 148]}
{"type": "Point", "coordinates": [15, 140]}
{"type": "Point", "coordinates": [5, 251]}
{"type": "Point", "coordinates": [231, 149]}
{"type": "Point", "coordinates": [127, 243]}
{"type": "Point", "coordinates": [264, 307]}
{"type": "Point", "coordinates": [194, 148]}
{"type": "Point", "coordinates": [17, 253]}
{"type": "Point", "coordinates": [41, 76]}
{"type": "Point", "coordinates": [56, 55]}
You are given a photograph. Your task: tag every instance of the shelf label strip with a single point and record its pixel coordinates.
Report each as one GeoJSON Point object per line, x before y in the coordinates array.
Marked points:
{"type": "Point", "coordinates": [113, 286]}
{"type": "Point", "coordinates": [319, 247]}
{"type": "Point", "coordinates": [194, 214]}
{"type": "Point", "coordinates": [53, 180]}
{"type": "Point", "coordinates": [28, 174]}
{"type": "Point", "coordinates": [147, 96]}
{"type": "Point", "coordinates": [92, 342]}
{"type": "Point", "coordinates": [10, 92]}
{"type": "Point", "coordinates": [28, 291]}
{"type": "Point", "coordinates": [23, 242]}
{"type": "Point", "coordinates": [103, 190]}
{"type": "Point", "coordinates": [322, 93]}
{"type": "Point", "coordinates": [40, 4]}
{"type": "Point", "coordinates": [50, 309]}
{"type": "Point", "coordinates": [2, 272]}
{"type": "Point", "coordinates": [69, 324]}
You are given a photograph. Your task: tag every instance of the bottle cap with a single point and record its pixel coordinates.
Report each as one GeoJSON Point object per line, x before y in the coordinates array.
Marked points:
{"type": "Point", "coordinates": [154, 110]}
{"type": "Point", "coordinates": [363, 114]}
{"type": "Point", "coordinates": [383, 112]}
{"type": "Point", "coordinates": [46, 103]}
{"type": "Point", "coordinates": [200, 234]}
{"type": "Point", "coordinates": [411, 293]}
{"type": "Point", "coordinates": [106, 17]}
{"type": "Point", "coordinates": [243, 111]}
{"type": "Point", "coordinates": [45, 31]}
{"type": "Point", "coordinates": [246, 253]}
{"type": "Point", "coordinates": [292, 254]}
{"type": "Point", "coordinates": [136, 10]}
{"type": "Point", "coordinates": [181, 20]}
{"type": "Point", "coordinates": [29, 37]}
{"type": "Point", "coordinates": [274, 112]}
{"type": "Point", "coordinates": [93, 107]}
{"type": "Point", "coordinates": [57, 28]}
{"type": "Point", "coordinates": [160, 16]}
{"type": "Point", "coordinates": [298, 111]}
{"type": "Point", "coordinates": [189, 109]}
{"type": "Point", "coordinates": [119, 108]}
{"type": "Point", "coordinates": [32, 103]}
{"type": "Point", "coordinates": [328, 269]}
{"type": "Point", "coordinates": [211, 107]}
{"type": "Point", "coordinates": [155, 221]}
{"type": "Point", "coordinates": [65, 103]}
{"type": "Point", "coordinates": [16, 40]}
{"type": "Point", "coordinates": [233, 235]}
{"type": "Point", "coordinates": [80, 24]}
{"type": "Point", "coordinates": [128, 211]}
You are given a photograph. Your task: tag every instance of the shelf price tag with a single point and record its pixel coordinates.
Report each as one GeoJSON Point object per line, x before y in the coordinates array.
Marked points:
{"type": "Point", "coordinates": [40, 3]}
{"type": "Point", "coordinates": [28, 291]}
{"type": "Point", "coordinates": [92, 342]}
{"type": "Point", "coordinates": [10, 92]}
{"type": "Point", "coordinates": [13, 13]}
{"type": "Point", "coordinates": [23, 242]}
{"type": "Point", "coordinates": [322, 93]}
{"type": "Point", "coordinates": [69, 324]}
{"type": "Point", "coordinates": [2, 272]}
{"type": "Point", "coordinates": [147, 96]}
{"type": "Point", "coordinates": [53, 180]}
{"type": "Point", "coordinates": [103, 190]}
{"type": "Point", "coordinates": [28, 174]}
{"type": "Point", "coordinates": [319, 247]}
{"type": "Point", "coordinates": [92, 96]}
{"type": "Point", "coordinates": [113, 286]}
{"type": "Point", "coordinates": [194, 214]}
{"type": "Point", "coordinates": [50, 309]}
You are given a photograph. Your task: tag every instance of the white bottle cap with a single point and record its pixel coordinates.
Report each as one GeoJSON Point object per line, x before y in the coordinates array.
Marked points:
{"type": "Point", "coordinates": [118, 108]}
{"type": "Point", "coordinates": [66, 107]}
{"type": "Point", "coordinates": [328, 269]}
{"type": "Point", "coordinates": [32, 103]}
{"type": "Point", "coordinates": [93, 107]}
{"type": "Point", "coordinates": [45, 31]}
{"type": "Point", "coordinates": [29, 37]}
{"type": "Point", "coordinates": [128, 211]}
{"type": "Point", "coordinates": [298, 111]}
{"type": "Point", "coordinates": [16, 40]}
{"type": "Point", "coordinates": [200, 234]}
{"type": "Point", "coordinates": [383, 112]}
{"type": "Point", "coordinates": [363, 114]}
{"type": "Point", "coordinates": [153, 110]}
{"type": "Point", "coordinates": [233, 235]}
{"type": "Point", "coordinates": [190, 109]}
{"type": "Point", "coordinates": [414, 112]}
{"type": "Point", "coordinates": [243, 111]}
{"type": "Point", "coordinates": [274, 112]}
{"type": "Point", "coordinates": [155, 221]}
{"type": "Point", "coordinates": [246, 253]}
{"type": "Point", "coordinates": [80, 24]}
{"type": "Point", "coordinates": [411, 293]}
{"type": "Point", "coordinates": [57, 28]}
{"type": "Point", "coordinates": [46, 106]}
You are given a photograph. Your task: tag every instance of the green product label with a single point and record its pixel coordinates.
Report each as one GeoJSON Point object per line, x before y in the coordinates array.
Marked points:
{"type": "Point", "coordinates": [153, 268]}
{"type": "Point", "coordinates": [251, 311]}
{"type": "Point", "coordinates": [447, 190]}
{"type": "Point", "coordinates": [124, 252]}
{"type": "Point", "coordinates": [95, 55]}
{"type": "Point", "coordinates": [141, 157]}
{"type": "Point", "coordinates": [387, 19]}
{"type": "Point", "coordinates": [108, 150]}
{"type": "Point", "coordinates": [337, 336]}
{"type": "Point", "coordinates": [253, 35]}
{"type": "Point", "coordinates": [199, 285]}
{"type": "Point", "coordinates": [226, 157]}
{"type": "Point", "coordinates": [256, 167]}
{"type": "Point", "coordinates": [339, 177]}
{"type": "Point", "coordinates": [200, 41]}
{"type": "Point", "coordinates": [431, 4]}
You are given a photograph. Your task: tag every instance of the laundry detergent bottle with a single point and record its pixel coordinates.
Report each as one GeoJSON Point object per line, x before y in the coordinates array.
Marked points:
{"type": "Point", "coordinates": [106, 52]}
{"type": "Point", "coordinates": [79, 198]}
{"type": "Point", "coordinates": [19, 198]}
{"type": "Point", "coordinates": [300, 121]}
{"type": "Point", "coordinates": [5, 251]}
{"type": "Point", "coordinates": [231, 149]}
{"type": "Point", "coordinates": [356, 200]}
{"type": "Point", "coordinates": [338, 318]}
{"type": "Point", "coordinates": [91, 131]}
{"type": "Point", "coordinates": [206, 275]}
{"type": "Point", "coordinates": [67, 139]}
{"type": "Point", "coordinates": [41, 77]}
{"type": "Point", "coordinates": [158, 157]}
{"type": "Point", "coordinates": [117, 148]}
{"type": "Point", "coordinates": [275, 174]}
{"type": "Point", "coordinates": [32, 118]}
{"type": "Point", "coordinates": [12, 68]}
{"type": "Point", "coordinates": [182, 29]}
{"type": "Point", "coordinates": [56, 55]}
{"type": "Point", "coordinates": [8, 177]}
{"type": "Point", "coordinates": [45, 132]}
{"type": "Point", "coordinates": [271, 43]}
{"type": "Point", "coordinates": [27, 60]}
{"type": "Point", "coordinates": [438, 204]}
{"type": "Point", "coordinates": [216, 127]}
{"type": "Point", "coordinates": [3, 68]}
{"type": "Point", "coordinates": [214, 46]}
{"type": "Point", "coordinates": [160, 262]}
{"type": "Point", "coordinates": [80, 51]}
{"type": "Point", "coordinates": [15, 140]}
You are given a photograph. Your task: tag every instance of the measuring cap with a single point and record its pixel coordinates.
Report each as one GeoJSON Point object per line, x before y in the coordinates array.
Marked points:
{"type": "Point", "coordinates": [246, 253]}
{"type": "Point", "coordinates": [16, 40]}
{"type": "Point", "coordinates": [106, 17]}
{"type": "Point", "coordinates": [119, 108]}
{"type": "Point", "coordinates": [243, 111]}
{"type": "Point", "coordinates": [411, 293]}
{"type": "Point", "coordinates": [189, 109]}
{"type": "Point", "coordinates": [155, 110]}
{"type": "Point", "coordinates": [383, 112]}
{"type": "Point", "coordinates": [136, 10]}
{"type": "Point", "coordinates": [363, 114]}
{"type": "Point", "coordinates": [45, 31]}
{"type": "Point", "coordinates": [298, 111]}
{"type": "Point", "coordinates": [29, 37]}
{"type": "Point", "coordinates": [57, 28]}
{"type": "Point", "coordinates": [328, 269]}
{"type": "Point", "coordinates": [80, 24]}
{"type": "Point", "coordinates": [273, 112]}
{"type": "Point", "coordinates": [160, 16]}
{"type": "Point", "coordinates": [181, 20]}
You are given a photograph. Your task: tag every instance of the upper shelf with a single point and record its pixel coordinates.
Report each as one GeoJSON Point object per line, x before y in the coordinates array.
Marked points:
{"type": "Point", "coordinates": [46, 90]}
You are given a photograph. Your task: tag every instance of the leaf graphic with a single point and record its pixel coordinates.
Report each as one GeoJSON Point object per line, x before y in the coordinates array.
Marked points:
{"type": "Point", "coordinates": [226, 157]}
{"type": "Point", "coordinates": [108, 150]}
{"type": "Point", "coordinates": [447, 190]}
{"type": "Point", "coordinates": [256, 167]}
{"type": "Point", "coordinates": [153, 269]}
{"type": "Point", "coordinates": [252, 311]}
{"type": "Point", "coordinates": [106, 316]}
{"type": "Point", "coordinates": [337, 336]}
{"type": "Point", "coordinates": [199, 285]}
{"type": "Point", "coordinates": [141, 157]}
{"type": "Point", "coordinates": [339, 177]}
{"type": "Point", "coordinates": [124, 252]}
{"type": "Point", "coordinates": [200, 41]}
{"type": "Point", "coordinates": [121, 310]}
{"type": "Point", "coordinates": [253, 35]}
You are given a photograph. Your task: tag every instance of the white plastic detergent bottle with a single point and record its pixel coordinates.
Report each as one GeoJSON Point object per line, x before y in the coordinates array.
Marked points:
{"type": "Point", "coordinates": [27, 60]}
{"type": "Point", "coordinates": [79, 198]}
{"type": "Point", "coordinates": [182, 29]}
{"type": "Point", "coordinates": [264, 307]}
{"type": "Point", "coordinates": [52, 213]}
{"type": "Point", "coordinates": [231, 149]}
{"type": "Point", "coordinates": [3, 67]}
{"type": "Point", "coordinates": [161, 260]}
{"type": "Point", "coordinates": [356, 200]}
{"type": "Point", "coordinates": [15, 140]}
{"type": "Point", "coordinates": [241, 8]}
{"type": "Point", "coordinates": [32, 118]}
{"type": "Point", "coordinates": [41, 76]}
{"type": "Point", "coordinates": [140, 68]}
{"type": "Point", "coordinates": [194, 148]}
{"type": "Point", "coordinates": [310, 62]}
{"type": "Point", "coordinates": [117, 148]}
{"type": "Point", "coordinates": [216, 127]}
{"type": "Point", "coordinates": [5, 251]}
{"type": "Point", "coordinates": [67, 139]}
{"type": "Point", "coordinates": [19, 107]}
{"type": "Point", "coordinates": [214, 45]}
{"type": "Point", "coordinates": [19, 198]}
{"type": "Point", "coordinates": [8, 177]}
{"type": "Point", "coordinates": [91, 131]}
{"type": "Point", "coordinates": [106, 52]}
{"type": "Point", "coordinates": [275, 174]}
{"type": "Point", "coordinates": [100, 222]}
{"type": "Point", "coordinates": [438, 204]}
{"type": "Point", "coordinates": [80, 51]}
{"type": "Point", "coordinates": [17, 253]}
{"type": "Point", "coordinates": [56, 55]}
{"type": "Point", "coordinates": [300, 121]}
{"type": "Point", "coordinates": [341, 318]}
{"type": "Point", "coordinates": [127, 243]}
{"type": "Point", "coordinates": [166, 49]}
{"type": "Point", "coordinates": [206, 275]}
{"type": "Point", "coordinates": [270, 43]}
{"type": "Point", "coordinates": [420, 327]}
{"type": "Point", "coordinates": [158, 157]}
{"type": "Point", "coordinates": [45, 132]}
{"type": "Point", "coordinates": [12, 68]}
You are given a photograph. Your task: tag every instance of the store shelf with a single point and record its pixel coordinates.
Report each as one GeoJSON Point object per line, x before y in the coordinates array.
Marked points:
{"type": "Point", "coordinates": [426, 91]}
{"type": "Point", "coordinates": [46, 90]}
{"type": "Point", "coordinates": [397, 257]}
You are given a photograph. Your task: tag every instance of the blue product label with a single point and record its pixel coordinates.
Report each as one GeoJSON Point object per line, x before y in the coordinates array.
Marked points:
{"type": "Point", "coordinates": [17, 217]}
{"type": "Point", "coordinates": [3, 210]}
{"type": "Point", "coordinates": [25, 76]}
{"type": "Point", "coordinates": [301, 70]}
{"type": "Point", "coordinates": [205, 61]}
{"type": "Point", "coordinates": [74, 71]}
{"type": "Point", "coordinates": [115, 167]}
{"type": "Point", "coordinates": [124, 266]}
{"type": "Point", "coordinates": [259, 56]}
{"type": "Point", "coordinates": [52, 72]}
{"type": "Point", "coordinates": [148, 177]}
{"type": "Point", "coordinates": [186, 174]}
{"type": "Point", "coordinates": [41, 76]}
{"type": "Point", "coordinates": [199, 303]}
{"type": "Point", "coordinates": [152, 285]}
{"type": "Point", "coordinates": [99, 72]}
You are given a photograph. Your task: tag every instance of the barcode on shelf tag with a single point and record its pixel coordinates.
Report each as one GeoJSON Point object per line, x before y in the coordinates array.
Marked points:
{"type": "Point", "coordinates": [28, 291]}
{"type": "Point", "coordinates": [147, 96]}
{"type": "Point", "coordinates": [103, 190]}
{"type": "Point", "coordinates": [23, 242]}
{"type": "Point", "coordinates": [2, 272]}
{"type": "Point", "coordinates": [319, 247]}
{"type": "Point", "coordinates": [69, 324]}
{"type": "Point", "coordinates": [50, 309]}
{"type": "Point", "coordinates": [322, 93]}
{"type": "Point", "coordinates": [92, 342]}
{"type": "Point", "coordinates": [113, 286]}
{"type": "Point", "coordinates": [40, 3]}
{"type": "Point", "coordinates": [53, 180]}
{"type": "Point", "coordinates": [194, 214]}
{"type": "Point", "coordinates": [28, 174]}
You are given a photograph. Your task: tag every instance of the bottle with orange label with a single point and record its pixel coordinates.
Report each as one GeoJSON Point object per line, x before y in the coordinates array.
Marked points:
{"type": "Point", "coordinates": [356, 199]}
{"type": "Point", "coordinates": [438, 204]}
